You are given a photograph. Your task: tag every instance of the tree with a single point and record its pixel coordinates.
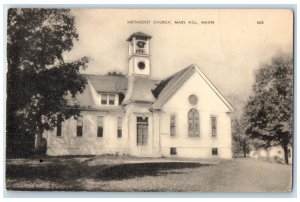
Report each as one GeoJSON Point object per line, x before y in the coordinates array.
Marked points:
{"type": "Point", "coordinates": [240, 139]}
{"type": "Point", "coordinates": [114, 73]}
{"type": "Point", "coordinates": [38, 78]}
{"type": "Point", "coordinates": [268, 113]}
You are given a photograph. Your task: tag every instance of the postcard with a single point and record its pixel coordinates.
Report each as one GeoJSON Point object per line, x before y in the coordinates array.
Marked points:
{"type": "Point", "coordinates": [149, 100]}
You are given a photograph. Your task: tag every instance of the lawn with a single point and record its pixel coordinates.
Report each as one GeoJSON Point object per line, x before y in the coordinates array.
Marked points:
{"type": "Point", "coordinates": [110, 173]}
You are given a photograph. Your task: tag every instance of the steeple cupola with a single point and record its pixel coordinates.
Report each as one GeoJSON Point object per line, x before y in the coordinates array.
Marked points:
{"type": "Point", "coordinates": [139, 54]}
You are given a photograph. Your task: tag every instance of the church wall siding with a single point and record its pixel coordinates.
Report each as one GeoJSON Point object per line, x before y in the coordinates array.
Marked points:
{"type": "Point", "coordinates": [159, 138]}
{"type": "Point", "coordinates": [89, 143]}
{"type": "Point", "coordinates": [208, 105]}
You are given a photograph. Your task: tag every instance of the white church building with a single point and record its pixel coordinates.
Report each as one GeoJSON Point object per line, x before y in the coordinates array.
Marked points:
{"type": "Point", "coordinates": [183, 115]}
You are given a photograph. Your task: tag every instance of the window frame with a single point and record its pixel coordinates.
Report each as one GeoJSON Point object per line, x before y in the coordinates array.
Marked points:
{"type": "Point", "coordinates": [59, 126]}
{"type": "Point", "coordinates": [214, 131]}
{"type": "Point", "coordinates": [173, 125]}
{"type": "Point", "coordinates": [141, 140]}
{"type": "Point", "coordinates": [173, 151]}
{"type": "Point", "coordinates": [110, 99]}
{"type": "Point", "coordinates": [100, 126]}
{"type": "Point", "coordinates": [79, 127]}
{"type": "Point", "coordinates": [104, 100]}
{"type": "Point", "coordinates": [119, 127]}
{"type": "Point", "coordinates": [111, 95]}
{"type": "Point", "coordinates": [59, 129]}
{"type": "Point", "coordinates": [194, 119]}
{"type": "Point", "coordinates": [214, 151]}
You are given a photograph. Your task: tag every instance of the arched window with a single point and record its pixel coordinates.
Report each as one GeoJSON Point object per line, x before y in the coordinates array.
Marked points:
{"type": "Point", "coordinates": [193, 120]}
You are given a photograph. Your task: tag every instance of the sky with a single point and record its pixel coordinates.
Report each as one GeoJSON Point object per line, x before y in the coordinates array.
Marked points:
{"type": "Point", "coordinates": [227, 51]}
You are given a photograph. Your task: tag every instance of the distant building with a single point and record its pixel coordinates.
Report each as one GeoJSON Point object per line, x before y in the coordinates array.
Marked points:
{"type": "Point", "coordinates": [273, 153]}
{"type": "Point", "coordinates": [183, 115]}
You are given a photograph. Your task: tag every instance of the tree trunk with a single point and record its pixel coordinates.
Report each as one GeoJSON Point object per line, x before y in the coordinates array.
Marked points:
{"type": "Point", "coordinates": [286, 153]}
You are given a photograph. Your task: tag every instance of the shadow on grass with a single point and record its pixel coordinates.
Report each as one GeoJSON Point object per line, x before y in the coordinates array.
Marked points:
{"type": "Point", "coordinates": [68, 174]}
{"type": "Point", "coordinates": [128, 171]}
{"type": "Point", "coordinates": [48, 172]}
{"type": "Point", "coordinates": [72, 171]}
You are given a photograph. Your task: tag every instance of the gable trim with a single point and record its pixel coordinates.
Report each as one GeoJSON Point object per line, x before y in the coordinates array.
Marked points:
{"type": "Point", "coordinates": [168, 94]}
{"type": "Point", "coordinates": [214, 88]}
{"type": "Point", "coordinates": [165, 96]}
{"type": "Point", "coordinates": [93, 91]}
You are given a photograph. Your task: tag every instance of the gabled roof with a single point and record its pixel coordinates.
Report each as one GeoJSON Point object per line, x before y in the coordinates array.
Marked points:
{"type": "Point", "coordinates": [107, 83]}
{"type": "Point", "coordinates": [101, 83]}
{"type": "Point", "coordinates": [86, 102]}
{"type": "Point", "coordinates": [142, 90]}
{"type": "Point", "coordinates": [166, 88]}
{"type": "Point", "coordinates": [138, 35]}
{"type": "Point", "coordinates": [84, 99]}
{"type": "Point", "coordinates": [167, 83]}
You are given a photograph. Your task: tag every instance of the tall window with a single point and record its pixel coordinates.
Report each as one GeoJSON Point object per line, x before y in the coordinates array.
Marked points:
{"type": "Point", "coordinates": [213, 126]}
{"type": "Point", "coordinates": [111, 99]}
{"type": "Point", "coordinates": [119, 127]}
{"type": "Point", "coordinates": [100, 126]}
{"type": "Point", "coordinates": [103, 99]}
{"type": "Point", "coordinates": [172, 125]}
{"type": "Point", "coordinates": [79, 126]}
{"type": "Point", "coordinates": [58, 128]}
{"type": "Point", "coordinates": [193, 120]}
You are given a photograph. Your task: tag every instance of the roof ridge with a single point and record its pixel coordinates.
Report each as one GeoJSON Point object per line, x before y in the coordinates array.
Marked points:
{"type": "Point", "coordinates": [176, 73]}
{"type": "Point", "coordinates": [165, 85]}
{"type": "Point", "coordinates": [98, 75]}
{"type": "Point", "coordinates": [115, 76]}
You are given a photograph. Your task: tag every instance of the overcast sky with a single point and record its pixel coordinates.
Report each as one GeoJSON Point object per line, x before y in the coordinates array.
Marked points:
{"type": "Point", "coordinates": [227, 51]}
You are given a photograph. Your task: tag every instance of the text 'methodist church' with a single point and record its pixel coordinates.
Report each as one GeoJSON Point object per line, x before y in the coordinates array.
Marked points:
{"type": "Point", "coordinates": [183, 115]}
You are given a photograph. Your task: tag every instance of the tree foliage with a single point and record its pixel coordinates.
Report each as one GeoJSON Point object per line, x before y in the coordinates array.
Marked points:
{"type": "Point", "coordinates": [115, 73]}
{"type": "Point", "coordinates": [38, 78]}
{"type": "Point", "coordinates": [268, 114]}
{"type": "Point", "coordinates": [241, 142]}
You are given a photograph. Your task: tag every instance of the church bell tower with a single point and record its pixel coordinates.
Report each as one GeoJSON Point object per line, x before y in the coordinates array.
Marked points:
{"type": "Point", "coordinates": [139, 54]}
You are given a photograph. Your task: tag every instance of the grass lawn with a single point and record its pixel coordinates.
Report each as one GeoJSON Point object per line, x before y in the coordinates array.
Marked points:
{"type": "Point", "coordinates": [144, 174]}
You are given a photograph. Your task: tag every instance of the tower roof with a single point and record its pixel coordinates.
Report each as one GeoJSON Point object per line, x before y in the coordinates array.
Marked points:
{"type": "Point", "coordinates": [139, 35]}
{"type": "Point", "coordinates": [140, 90]}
